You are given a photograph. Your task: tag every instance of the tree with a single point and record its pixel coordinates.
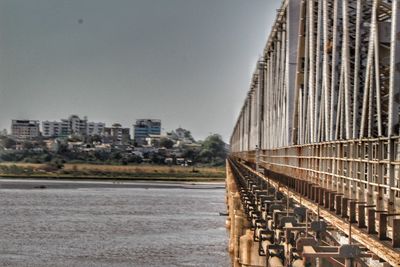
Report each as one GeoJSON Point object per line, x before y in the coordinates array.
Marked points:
{"type": "Point", "coordinates": [102, 155]}
{"type": "Point", "coordinates": [27, 145]}
{"type": "Point", "coordinates": [213, 149]}
{"type": "Point", "coordinates": [191, 153]}
{"type": "Point", "coordinates": [188, 135]}
{"type": "Point", "coordinates": [157, 159]}
{"type": "Point", "coordinates": [116, 156]}
{"type": "Point", "coordinates": [206, 155]}
{"type": "Point", "coordinates": [134, 159]}
{"type": "Point", "coordinates": [166, 142]}
{"type": "Point", "coordinates": [8, 142]}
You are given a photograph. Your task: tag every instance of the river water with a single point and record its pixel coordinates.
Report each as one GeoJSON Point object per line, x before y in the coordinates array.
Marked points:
{"type": "Point", "coordinates": [108, 225]}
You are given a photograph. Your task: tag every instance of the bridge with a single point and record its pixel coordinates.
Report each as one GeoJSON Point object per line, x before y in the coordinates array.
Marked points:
{"type": "Point", "coordinates": [313, 177]}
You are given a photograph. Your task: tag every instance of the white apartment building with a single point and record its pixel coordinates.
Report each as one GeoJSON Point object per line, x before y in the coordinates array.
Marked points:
{"type": "Point", "coordinates": [72, 125]}
{"type": "Point", "coordinates": [55, 128]}
{"type": "Point", "coordinates": [95, 128]}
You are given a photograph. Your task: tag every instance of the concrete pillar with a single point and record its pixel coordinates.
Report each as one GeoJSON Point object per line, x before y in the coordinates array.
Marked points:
{"type": "Point", "coordinates": [240, 226]}
{"type": "Point", "coordinates": [236, 221]}
{"type": "Point", "coordinates": [248, 255]}
{"type": "Point", "coordinates": [231, 191]}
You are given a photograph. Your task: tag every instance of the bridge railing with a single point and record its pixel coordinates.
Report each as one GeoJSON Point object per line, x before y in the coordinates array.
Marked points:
{"type": "Point", "coordinates": [366, 170]}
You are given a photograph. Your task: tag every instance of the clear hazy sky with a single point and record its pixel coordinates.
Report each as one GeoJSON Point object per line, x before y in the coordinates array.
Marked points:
{"type": "Point", "coordinates": [186, 62]}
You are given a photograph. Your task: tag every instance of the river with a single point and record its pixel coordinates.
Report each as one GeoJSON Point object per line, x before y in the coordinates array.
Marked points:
{"type": "Point", "coordinates": [111, 224]}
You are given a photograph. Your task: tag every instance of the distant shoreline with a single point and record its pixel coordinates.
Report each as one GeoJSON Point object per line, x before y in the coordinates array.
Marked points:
{"type": "Point", "coordinates": [111, 179]}
{"type": "Point", "coordinates": [93, 172]}
{"type": "Point", "coordinates": [43, 184]}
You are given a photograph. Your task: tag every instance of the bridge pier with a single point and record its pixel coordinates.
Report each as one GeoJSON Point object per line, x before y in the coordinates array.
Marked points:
{"type": "Point", "coordinates": [248, 255]}
{"type": "Point", "coordinates": [242, 247]}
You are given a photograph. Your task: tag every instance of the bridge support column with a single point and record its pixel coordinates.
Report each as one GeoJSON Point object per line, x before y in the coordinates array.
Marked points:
{"type": "Point", "coordinates": [249, 251]}
{"type": "Point", "coordinates": [231, 192]}
{"type": "Point", "coordinates": [241, 243]}
{"type": "Point", "coordinates": [240, 226]}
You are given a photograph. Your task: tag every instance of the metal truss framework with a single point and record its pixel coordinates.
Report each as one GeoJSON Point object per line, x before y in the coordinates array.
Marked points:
{"type": "Point", "coordinates": [323, 104]}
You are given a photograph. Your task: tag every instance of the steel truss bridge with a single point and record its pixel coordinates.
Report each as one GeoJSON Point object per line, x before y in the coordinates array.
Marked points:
{"type": "Point", "coordinates": [320, 124]}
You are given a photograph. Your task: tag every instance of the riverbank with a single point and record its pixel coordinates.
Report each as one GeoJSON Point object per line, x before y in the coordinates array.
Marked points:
{"type": "Point", "coordinates": [86, 184]}
{"type": "Point", "coordinates": [113, 172]}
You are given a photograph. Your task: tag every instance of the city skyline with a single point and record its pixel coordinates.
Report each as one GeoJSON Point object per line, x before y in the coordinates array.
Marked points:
{"type": "Point", "coordinates": [131, 125]}
{"type": "Point", "coordinates": [46, 127]}
{"type": "Point", "coordinates": [40, 121]}
{"type": "Point", "coordinates": [179, 61]}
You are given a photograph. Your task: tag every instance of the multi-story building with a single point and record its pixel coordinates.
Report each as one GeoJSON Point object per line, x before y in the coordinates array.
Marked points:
{"type": "Point", "coordinates": [25, 129]}
{"type": "Point", "coordinates": [116, 134]}
{"type": "Point", "coordinates": [72, 125]}
{"type": "Point", "coordinates": [55, 128]}
{"type": "Point", "coordinates": [95, 128]}
{"type": "Point", "coordinates": [77, 125]}
{"type": "Point", "coordinates": [144, 127]}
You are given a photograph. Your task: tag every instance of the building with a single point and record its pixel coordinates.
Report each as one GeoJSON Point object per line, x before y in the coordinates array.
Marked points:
{"type": "Point", "coordinates": [116, 134]}
{"type": "Point", "coordinates": [77, 125]}
{"type": "Point", "coordinates": [95, 128]}
{"type": "Point", "coordinates": [56, 128]}
{"type": "Point", "coordinates": [25, 129]}
{"type": "Point", "coordinates": [72, 125]}
{"type": "Point", "coordinates": [145, 127]}
{"type": "Point", "coordinates": [154, 139]}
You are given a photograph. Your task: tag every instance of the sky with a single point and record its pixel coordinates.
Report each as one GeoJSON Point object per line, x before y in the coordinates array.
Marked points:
{"type": "Point", "coordinates": [186, 62]}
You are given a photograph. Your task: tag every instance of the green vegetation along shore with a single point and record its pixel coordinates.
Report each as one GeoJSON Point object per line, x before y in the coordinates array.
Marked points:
{"type": "Point", "coordinates": [113, 172]}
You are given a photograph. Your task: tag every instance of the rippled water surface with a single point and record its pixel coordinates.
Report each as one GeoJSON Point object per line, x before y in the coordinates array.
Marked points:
{"type": "Point", "coordinates": [113, 227]}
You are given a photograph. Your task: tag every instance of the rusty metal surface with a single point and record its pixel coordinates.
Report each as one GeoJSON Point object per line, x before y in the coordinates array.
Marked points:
{"type": "Point", "coordinates": [382, 249]}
